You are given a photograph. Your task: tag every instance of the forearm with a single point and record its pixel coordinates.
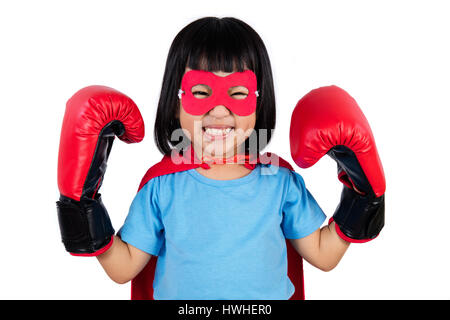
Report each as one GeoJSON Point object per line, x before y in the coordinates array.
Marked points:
{"type": "Point", "coordinates": [122, 262]}
{"type": "Point", "coordinates": [323, 248]}
{"type": "Point", "coordinates": [331, 248]}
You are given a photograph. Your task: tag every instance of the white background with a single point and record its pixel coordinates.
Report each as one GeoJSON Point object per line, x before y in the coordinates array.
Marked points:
{"type": "Point", "coordinates": [392, 56]}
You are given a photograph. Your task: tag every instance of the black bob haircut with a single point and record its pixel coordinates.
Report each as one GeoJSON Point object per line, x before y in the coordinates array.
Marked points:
{"type": "Point", "coordinates": [215, 44]}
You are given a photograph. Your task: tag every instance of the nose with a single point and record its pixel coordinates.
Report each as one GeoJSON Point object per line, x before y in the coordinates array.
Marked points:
{"type": "Point", "coordinates": [219, 111]}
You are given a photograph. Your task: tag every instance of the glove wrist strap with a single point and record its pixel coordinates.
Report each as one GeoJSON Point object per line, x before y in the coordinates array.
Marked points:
{"type": "Point", "coordinates": [85, 226]}
{"type": "Point", "coordinates": [359, 218]}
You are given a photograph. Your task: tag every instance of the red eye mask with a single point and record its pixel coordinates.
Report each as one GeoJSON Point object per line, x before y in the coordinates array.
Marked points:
{"type": "Point", "coordinates": [220, 87]}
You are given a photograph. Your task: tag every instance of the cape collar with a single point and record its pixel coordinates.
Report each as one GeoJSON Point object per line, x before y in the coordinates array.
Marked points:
{"type": "Point", "coordinates": [187, 160]}
{"type": "Point", "coordinates": [248, 160]}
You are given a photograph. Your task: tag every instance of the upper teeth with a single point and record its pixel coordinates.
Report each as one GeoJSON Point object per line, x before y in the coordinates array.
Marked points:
{"type": "Point", "coordinates": [214, 131]}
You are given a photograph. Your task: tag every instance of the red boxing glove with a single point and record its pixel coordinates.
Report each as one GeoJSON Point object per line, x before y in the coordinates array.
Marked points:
{"type": "Point", "coordinates": [94, 116]}
{"type": "Point", "coordinates": [328, 120]}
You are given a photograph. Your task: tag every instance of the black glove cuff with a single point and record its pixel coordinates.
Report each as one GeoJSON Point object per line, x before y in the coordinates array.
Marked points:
{"type": "Point", "coordinates": [85, 225]}
{"type": "Point", "coordinates": [359, 217]}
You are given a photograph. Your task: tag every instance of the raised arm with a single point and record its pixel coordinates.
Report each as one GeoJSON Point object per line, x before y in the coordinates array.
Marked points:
{"type": "Point", "coordinates": [94, 116]}
{"type": "Point", "coordinates": [328, 121]}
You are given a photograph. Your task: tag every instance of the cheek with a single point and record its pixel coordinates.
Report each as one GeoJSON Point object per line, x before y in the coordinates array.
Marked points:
{"type": "Point", "coordinates": [189, 124]}
{"type": "Point", "coordinates": [247, 122]}
{"type": "Point", "coordinates": [245, 127]}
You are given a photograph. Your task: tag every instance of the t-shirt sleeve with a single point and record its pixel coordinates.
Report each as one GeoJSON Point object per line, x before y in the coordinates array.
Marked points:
{"type": "Point", "coordinates": [301, 213]}
{"type": "Point", "coordinates": [143, 227]}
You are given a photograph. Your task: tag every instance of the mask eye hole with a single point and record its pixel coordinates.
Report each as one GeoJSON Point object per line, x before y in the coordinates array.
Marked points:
{"type": "Point", "coordinates": [238, 92]}
{"type": "Point", "coordinates": [201, 91]}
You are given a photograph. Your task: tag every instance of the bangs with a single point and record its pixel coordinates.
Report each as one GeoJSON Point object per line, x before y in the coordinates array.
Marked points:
{"type": "Point", "coordinates": [220, 45]}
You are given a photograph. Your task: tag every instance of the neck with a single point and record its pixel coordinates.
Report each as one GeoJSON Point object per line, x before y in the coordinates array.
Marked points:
{"type": "Point", "coordinates": [224, 171]}
{"type": "Point", "coordinates": [219, 159]}
{"type": "Point", "coordinates": [223, 167]}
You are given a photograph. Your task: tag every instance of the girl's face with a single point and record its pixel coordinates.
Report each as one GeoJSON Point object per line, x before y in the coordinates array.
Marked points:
{"type": "Point", "coordinates": [219, 133]}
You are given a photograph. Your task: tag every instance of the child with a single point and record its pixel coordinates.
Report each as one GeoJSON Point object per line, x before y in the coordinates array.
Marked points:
{"type": "Point", "coordinates": [218, 226]}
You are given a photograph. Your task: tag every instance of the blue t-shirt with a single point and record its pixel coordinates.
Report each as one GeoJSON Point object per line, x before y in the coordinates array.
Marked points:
{"type": "Point", "coordinates": [222, 239]}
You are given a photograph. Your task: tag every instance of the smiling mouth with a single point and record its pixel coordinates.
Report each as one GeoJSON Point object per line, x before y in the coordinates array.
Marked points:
{"type": "Point", "coordinates": [217, 132]}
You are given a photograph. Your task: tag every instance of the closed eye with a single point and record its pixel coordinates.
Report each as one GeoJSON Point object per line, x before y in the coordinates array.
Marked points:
{"type": "Point", "coordinates": [201, 91]}
{"type": "Point", "coordinates": [238, 93]}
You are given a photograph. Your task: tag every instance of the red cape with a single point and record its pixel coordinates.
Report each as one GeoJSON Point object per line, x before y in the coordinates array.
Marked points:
{"type": "Point", "coordinates": [142, 284]}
